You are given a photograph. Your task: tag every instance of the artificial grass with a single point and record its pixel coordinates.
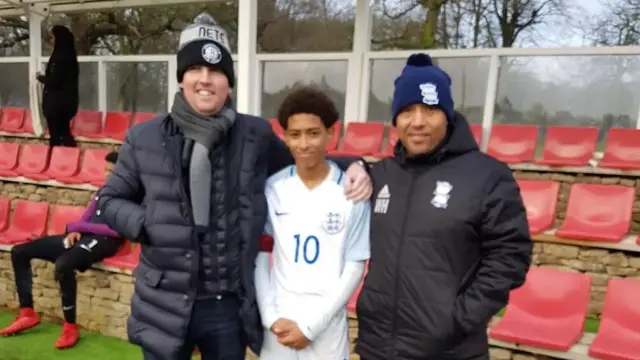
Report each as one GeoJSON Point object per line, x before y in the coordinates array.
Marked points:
{"type": "Point", "coordinates": [37, 344]}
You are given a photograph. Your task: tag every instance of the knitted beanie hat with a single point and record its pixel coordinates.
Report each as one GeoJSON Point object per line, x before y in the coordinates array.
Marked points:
{"type": "Point", "coordinates": [205, 43]}
{"type": "Point", "coordinates": [421, 82]}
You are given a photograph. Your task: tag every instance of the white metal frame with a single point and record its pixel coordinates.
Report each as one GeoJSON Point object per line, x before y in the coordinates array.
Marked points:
{"type": "Point", "coordinates": [250, 64]}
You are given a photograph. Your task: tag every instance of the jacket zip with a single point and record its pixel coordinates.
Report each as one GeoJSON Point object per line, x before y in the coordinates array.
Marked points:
{"type": "Point", "coordinates": [394, 320]}
{"type": "Point", "coordinates": [177, 165]}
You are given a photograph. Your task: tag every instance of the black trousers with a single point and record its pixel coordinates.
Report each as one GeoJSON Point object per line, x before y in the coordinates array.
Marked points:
{"type": "Point", "coordinates": [86, 251]}
{"type": "Point", "coordinates": [215, 328]}
{"type": "Point", "coordinates": [60, 130]}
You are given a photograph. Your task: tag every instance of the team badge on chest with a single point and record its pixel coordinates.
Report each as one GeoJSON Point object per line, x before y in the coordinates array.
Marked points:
{"type": "Point", "coordinates": [333, 222]}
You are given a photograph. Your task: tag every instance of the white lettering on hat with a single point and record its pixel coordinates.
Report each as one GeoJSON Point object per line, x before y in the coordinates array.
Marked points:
{"type": "Point", "coordinates": [429, 93]}
{"type": "Point", "coordinates": [211, 53]}
{"type": "Point", "coordinates": [205, 32]}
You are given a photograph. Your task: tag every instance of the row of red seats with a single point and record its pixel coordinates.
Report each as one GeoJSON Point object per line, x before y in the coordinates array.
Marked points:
{"type": "Point", "coordinates": [549, 312]}
{"type": "Point", "coordinates": [563, 145]}
{"type": "Point", "coordinates": [32, 219]}
{"type": "Point", "coordinates": [362, 139]}
{"type": "Point", "coordinates": [594, 212]}
{"type": "Point", "coordinates": [608, 222]}
{"type": "Point", "coordinates": [38, 162]}
{"type": "Point", "coordinates": [87, 123]}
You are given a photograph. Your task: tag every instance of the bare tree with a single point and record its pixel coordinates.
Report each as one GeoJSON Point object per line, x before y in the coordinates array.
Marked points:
{"type": "Point", "coordinates": [517, 16]}
{"type": "Point", "coordinates": [621, 26]}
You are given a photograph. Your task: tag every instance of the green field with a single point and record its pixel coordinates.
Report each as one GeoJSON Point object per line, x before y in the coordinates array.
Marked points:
{"type": "Point", "coordinates": [37, 344]}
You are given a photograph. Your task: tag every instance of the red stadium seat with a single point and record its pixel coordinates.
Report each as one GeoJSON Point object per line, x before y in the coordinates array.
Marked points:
{"type": "Point", "coordinates": [362, 139]}
{"type": "Point", "coordinates": [125, 260]}
{"type": "Point", "coordinates": [476, 130]}
{"type": "Point", "coordinates": [513, 143]}
{"type": "Point", "coordinates": [34, 159]}
{"type": "Point", "coordinates": [29, 221]}
{"type": "Point", "coordinates": [9, 159]}
{"type": "Point", "coordinates": [91, 170]}
{"type": "Point", "coordinates": [540, 198]}
{"type": "Point", "coordinates": [569, 146]}
{"type": "Point", "coordinates": [27, 127]}
{"type": "Point", "coordinates": [609, 221]}
{"type": "Point", "coordinates": [13, 120]}
{"type": "Point", "coordinates": [140, 117]}
{"type": "Point", "coordinates": [64, 163]}
{"type": "Point", "coordinates": [622, 150]}
{"type": "Point", "coordinates": [548, 311]}
{"type": "Point", "coordinates": [618, 336]}
{"type": "Point", "coordinates": [88, 123]}
{"type": "Point", "coordinates": [335, 137]}
{"type": "Point", "coordinates": [61, 215]}
{"type": "Point", "coordinates": [5, 211]}
{"type": "Point", "coordinates": [116, 125]}
{"type": "Point", "coordinates": [392, 139]}
{"type": "Point", "coordinates": [275, 125]}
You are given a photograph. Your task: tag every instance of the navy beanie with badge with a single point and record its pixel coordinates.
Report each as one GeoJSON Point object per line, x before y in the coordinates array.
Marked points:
{"type": "Point", "coordinates": [421, 82]}
{"type": "Point", "coordinates": [205, 43]}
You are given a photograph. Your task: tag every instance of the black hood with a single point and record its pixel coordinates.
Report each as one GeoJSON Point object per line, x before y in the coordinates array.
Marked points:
{"type": "Point", "coordinates": [459, 140]}
{"type": "Point", "coordinates": [64, 47]}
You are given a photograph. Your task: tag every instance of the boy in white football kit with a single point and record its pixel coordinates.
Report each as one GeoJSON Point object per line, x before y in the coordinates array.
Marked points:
{"type": "Point", "coordinates": [318, 238]}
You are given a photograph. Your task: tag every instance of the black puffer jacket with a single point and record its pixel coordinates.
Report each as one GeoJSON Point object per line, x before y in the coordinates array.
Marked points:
{"type": "Point", "coordinates": [449, 240]}
{"type": "Point", "coordinates": [145, 200]}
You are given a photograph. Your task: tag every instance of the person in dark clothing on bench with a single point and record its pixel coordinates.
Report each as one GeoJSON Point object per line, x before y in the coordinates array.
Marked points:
{"type": "Point", "coordinates": [86, 241]}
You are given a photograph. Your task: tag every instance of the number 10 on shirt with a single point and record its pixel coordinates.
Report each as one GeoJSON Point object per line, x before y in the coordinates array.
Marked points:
{"type": "Point", "coordinates": [307, 248]}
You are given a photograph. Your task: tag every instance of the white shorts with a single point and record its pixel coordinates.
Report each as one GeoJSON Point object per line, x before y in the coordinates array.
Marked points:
{"type": "Point", "coordinates": [332, 344]}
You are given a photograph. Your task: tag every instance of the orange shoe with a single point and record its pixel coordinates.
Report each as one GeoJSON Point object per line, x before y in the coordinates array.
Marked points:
{"type": "Point", "coordinates": [27, 318]}
{"type": "Point", "coordinates": [69, 336]}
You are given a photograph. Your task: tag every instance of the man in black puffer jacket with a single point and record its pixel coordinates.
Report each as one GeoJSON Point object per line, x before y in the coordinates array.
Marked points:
{"type": "Point", "coordinates": [449, 232]}
{"type": "Point", "coordinates": [189, 186]}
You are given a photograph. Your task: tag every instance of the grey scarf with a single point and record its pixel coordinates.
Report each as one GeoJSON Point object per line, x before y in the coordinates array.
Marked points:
{"type": "Point", "coordinates": [206, 130]}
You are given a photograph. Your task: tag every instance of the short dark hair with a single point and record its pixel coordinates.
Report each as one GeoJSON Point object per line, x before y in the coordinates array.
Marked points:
{"type": "Point", "coordinates": [112, 157]}
{"type": "Point", "coordinates": [308, 99]}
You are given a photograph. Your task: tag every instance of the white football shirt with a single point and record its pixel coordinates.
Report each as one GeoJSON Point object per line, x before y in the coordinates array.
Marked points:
{"type": "Point", "coordinates": [315, 232]}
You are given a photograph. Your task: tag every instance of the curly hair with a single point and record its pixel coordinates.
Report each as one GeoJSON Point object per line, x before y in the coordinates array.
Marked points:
{"type": "Point", "coordinates": [308, 99]}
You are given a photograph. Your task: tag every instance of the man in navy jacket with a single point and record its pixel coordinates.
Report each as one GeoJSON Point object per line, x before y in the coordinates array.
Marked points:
{"type": "Point", "coordinates": [449, 232]}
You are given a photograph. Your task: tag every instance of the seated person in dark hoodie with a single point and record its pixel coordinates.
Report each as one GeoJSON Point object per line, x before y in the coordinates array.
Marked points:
{"type": "Point", "coordinates": [85, 242]}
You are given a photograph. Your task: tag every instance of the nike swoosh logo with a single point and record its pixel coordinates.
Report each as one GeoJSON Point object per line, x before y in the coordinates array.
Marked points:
{"type": "Point", "coordinates": [281, 213]}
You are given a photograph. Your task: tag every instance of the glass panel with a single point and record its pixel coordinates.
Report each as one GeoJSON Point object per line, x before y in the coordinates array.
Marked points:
{"type": "Point", "coordinates": [14, 86]}
{"type": "Point", "coordinates": [278, 77]}
{"type": "Point", "coordinates": [87, 84]}
{"type": "Point", "coordinates": [137, 87]}
{"type": "Point", "coordinates": [601, 91]}
{"type": "Point", "coordinates": [468, 77]}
